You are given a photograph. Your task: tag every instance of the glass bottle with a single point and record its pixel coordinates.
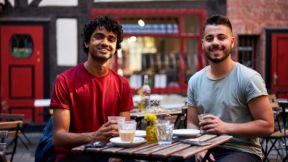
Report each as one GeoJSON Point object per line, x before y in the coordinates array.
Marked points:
{"type": "Point", "coordinates": [146, 90]}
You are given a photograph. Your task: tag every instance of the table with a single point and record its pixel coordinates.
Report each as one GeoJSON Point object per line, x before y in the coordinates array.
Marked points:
{"type": "Point", "coordinates": [41, 102]}
{"type": "Point", "coordinates": [44, 103]}
{"type": "Point", "coordinates": [179, 112]}
{"type": "Point", "coordinates": [154, 152]}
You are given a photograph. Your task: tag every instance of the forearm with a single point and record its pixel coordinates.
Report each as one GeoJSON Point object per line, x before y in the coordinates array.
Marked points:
{"type": "Point", "coordinates": [192, 118]}
{"type": "Point", "coordinates": [68, 139]}
{"type": "Point", "coordinates": [256, 128]}
{"type": "Point", "coordinates": [191, 125]}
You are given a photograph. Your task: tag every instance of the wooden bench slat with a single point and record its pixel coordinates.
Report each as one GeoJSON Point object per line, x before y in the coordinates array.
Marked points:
{"type": "Point", "coordinates": [135, 149]}
{"type": "Point", "coordinates": [11, 124]}
{"type": "Point", "coordinates": [170, 150]}
{"type": "Point", "coordinates": [156, 147]}
{"type": "Point", "coordinates": [112, 149]}
{"type": "Point", "coordinates": [195, 149]}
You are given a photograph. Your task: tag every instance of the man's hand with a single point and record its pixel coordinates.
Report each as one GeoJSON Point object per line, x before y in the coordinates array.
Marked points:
{"type": "Point", "coordinates": [213, 125]}
{"type": "Point", "coordinates": [107, 131]}
{"type": "Point", "coordinates": [200, 156]}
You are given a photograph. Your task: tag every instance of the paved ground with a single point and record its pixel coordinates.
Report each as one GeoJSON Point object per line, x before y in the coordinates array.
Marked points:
{"type": "Point", "coordinates": [27, 155]}
{"type": "Point", "coordinates": [24, 155]}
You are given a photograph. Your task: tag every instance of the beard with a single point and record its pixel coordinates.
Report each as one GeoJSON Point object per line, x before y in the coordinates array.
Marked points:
{"type": "Point", "coordinates": [101, 57]}
{"type": "Point", "coordinates": [96, 54]}
{"type": "Point", "coordinates": [219, 48]}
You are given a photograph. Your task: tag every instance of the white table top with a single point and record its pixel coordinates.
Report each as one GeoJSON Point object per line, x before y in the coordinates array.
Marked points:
{"type": "Point", "coordinates": [42, 103]}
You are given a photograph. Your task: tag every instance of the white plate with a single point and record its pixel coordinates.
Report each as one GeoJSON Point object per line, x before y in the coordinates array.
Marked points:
{"type": "Point", "coordinates": [137, 141]}
{"type": "Point", "coordinates": [186, 132]}
{"type": "Point", "coordinates": [140, 133]}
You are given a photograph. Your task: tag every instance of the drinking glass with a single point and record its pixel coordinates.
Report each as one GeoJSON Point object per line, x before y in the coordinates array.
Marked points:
{"type": "Point", "coordinates": [127, 131]}
{"type": "Point", "coordinates": [117, 119]}
{"type": "Point", "coordinates": [159, 121]}
{"type": "Point", "coordinates": [201, 117]}
{"type": "Point", "coordinates": [164, 133]}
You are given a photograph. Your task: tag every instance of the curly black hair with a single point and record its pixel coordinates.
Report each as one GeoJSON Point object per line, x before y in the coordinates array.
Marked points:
{"type": "Point", "coordinates": [109, 23]}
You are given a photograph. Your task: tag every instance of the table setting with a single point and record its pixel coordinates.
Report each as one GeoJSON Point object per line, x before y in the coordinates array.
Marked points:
{"type": "Point", "coordinates": [159, 142]}
{"type": "Point", "coordinates": [163, 133]}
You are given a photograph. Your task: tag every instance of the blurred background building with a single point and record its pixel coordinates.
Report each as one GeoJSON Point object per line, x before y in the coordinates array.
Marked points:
{"type": "Point", "coordinates": [41, 38]}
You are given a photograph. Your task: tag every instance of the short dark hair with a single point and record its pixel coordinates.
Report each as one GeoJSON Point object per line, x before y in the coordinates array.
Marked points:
{"type": "Point", "coordinates": [109, 23]}
{"type": "Point", "coordinates": [218, 20]}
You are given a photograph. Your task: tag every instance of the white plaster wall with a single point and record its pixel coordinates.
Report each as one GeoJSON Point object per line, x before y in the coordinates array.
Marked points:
{"type": "Point", "coordinates": [130, 0]}
{"type": "Point", "coordinates": [59, 3]}
{"type": "Point", "coordinates": [66, 30]}
{"type": "Point", "coordinates": [50, 2]}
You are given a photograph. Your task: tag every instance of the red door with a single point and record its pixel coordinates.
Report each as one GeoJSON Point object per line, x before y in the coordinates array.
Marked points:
{"type": "Point", "coordinates": [279, 63]}
{"type": "Point", "coordinates": [22, 69]}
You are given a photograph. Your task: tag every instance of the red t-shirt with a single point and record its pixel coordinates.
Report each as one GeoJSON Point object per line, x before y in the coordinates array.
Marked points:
{"type": "Point", "coordinates": [90, 99]}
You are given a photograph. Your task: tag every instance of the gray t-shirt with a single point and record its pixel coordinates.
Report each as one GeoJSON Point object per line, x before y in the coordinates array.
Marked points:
{"type": "Point", "coordinates": [228, 99]}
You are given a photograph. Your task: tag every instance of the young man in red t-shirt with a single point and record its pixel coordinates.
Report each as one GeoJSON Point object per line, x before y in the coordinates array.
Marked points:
{"type": "Point", "coordinates": [84, 96]}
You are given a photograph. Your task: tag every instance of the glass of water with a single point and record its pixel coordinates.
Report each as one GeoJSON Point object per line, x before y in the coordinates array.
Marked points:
{"type": "Point", "coordinates": [201, 118]}
{"type": "Point", "coordinates": [164, 133]}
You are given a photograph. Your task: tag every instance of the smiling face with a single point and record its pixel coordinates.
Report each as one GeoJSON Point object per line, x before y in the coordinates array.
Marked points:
{"type": "Point", "coordinates": [102, 44]}
{"type": "Point", "coordinates": [217, 42]}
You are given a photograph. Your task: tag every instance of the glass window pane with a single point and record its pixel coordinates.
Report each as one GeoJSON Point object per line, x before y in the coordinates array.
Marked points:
{"type": "Point", "coordinates": [150, 55]}
{"type": "Point", "coordinates": [247, 50]}
{"type": "Point", "coordinates": [191, 24]}
{"type": "Point", "coordinates": [191, 57]}
{"type": "Point", "coordinates": [21, 45]}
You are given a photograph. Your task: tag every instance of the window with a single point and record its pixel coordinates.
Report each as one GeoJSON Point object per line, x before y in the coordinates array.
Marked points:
{"type": "Point", "coordinates": [163, 43]}
{"type": "Point", "coordinates": [247, 50]}
{"type": "Point", "coordinates": [21, 45]}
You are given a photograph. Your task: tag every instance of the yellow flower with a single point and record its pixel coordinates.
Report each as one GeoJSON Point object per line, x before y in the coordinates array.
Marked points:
{"type": "Point", "coordinates": [150, 117]}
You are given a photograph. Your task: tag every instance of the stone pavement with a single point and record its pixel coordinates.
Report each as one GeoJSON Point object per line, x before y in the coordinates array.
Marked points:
{"type": "Point", "coordinates": [27, 155]}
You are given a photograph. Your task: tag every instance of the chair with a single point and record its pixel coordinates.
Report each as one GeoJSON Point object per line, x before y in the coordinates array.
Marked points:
{"type": "Point", "coordinates": [277, 140]}
{"type": "Point", "coordinates": [17, 117]}
{"type": "Point", "coordinates": [3, 134]}
{"type": "Point", "coordinates": [13, 129]}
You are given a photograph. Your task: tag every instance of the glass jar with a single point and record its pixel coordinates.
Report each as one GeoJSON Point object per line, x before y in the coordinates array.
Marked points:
{"type": "Point", "coordinates": [151, 133]}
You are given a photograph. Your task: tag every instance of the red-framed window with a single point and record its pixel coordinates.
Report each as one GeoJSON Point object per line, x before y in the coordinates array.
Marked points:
{"type": "Point", "coordinates": [163, 43]}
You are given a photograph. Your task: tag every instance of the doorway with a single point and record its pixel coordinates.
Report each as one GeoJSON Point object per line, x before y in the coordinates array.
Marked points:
{"type": "Point", "coordinates": [278, 76]}
{"type": "Point", "coordinates": [22, 69]}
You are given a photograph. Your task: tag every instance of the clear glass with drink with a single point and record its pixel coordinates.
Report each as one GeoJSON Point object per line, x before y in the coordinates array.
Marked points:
{"type": "Point", "coordinates": [127, 131]}
{"type": "Point", "coordinates": [164, 133]}
{"type": "Point", "coordinates": [201, 118]}
{"type": "Point", "coordinates": [117, 119]}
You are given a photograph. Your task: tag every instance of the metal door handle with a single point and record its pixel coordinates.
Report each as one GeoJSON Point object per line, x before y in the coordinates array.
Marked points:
{"type": "Point", "coordinates": [275, 78]}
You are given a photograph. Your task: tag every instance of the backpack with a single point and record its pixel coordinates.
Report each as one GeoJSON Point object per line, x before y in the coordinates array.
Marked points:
{"type": "Point", "coordinates": [45, 151]}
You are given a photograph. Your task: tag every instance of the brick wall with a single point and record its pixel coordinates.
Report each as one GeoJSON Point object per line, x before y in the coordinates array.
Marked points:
{"type": "Point", "coordinates": [252, 16]}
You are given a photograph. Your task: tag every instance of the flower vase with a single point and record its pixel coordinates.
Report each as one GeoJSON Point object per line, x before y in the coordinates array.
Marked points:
{"type": "Point", "coordinates": [151, 134]}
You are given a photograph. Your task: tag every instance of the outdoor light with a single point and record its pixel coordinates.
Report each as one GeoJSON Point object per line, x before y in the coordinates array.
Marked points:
{"type": "Point", "coordinates": [141, 22]}
{"type": "Point", "coordinates": [132, 39]}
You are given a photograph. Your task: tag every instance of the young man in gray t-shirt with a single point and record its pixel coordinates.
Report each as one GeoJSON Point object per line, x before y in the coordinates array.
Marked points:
{"type": "Point", "coordinates": [233, 95]}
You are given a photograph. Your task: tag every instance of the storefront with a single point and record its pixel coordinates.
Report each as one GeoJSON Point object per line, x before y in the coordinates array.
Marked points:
{"type": "Point", "coordinates": [163, 43]}
{"type": "Point", "coordinates": [161, 39]}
